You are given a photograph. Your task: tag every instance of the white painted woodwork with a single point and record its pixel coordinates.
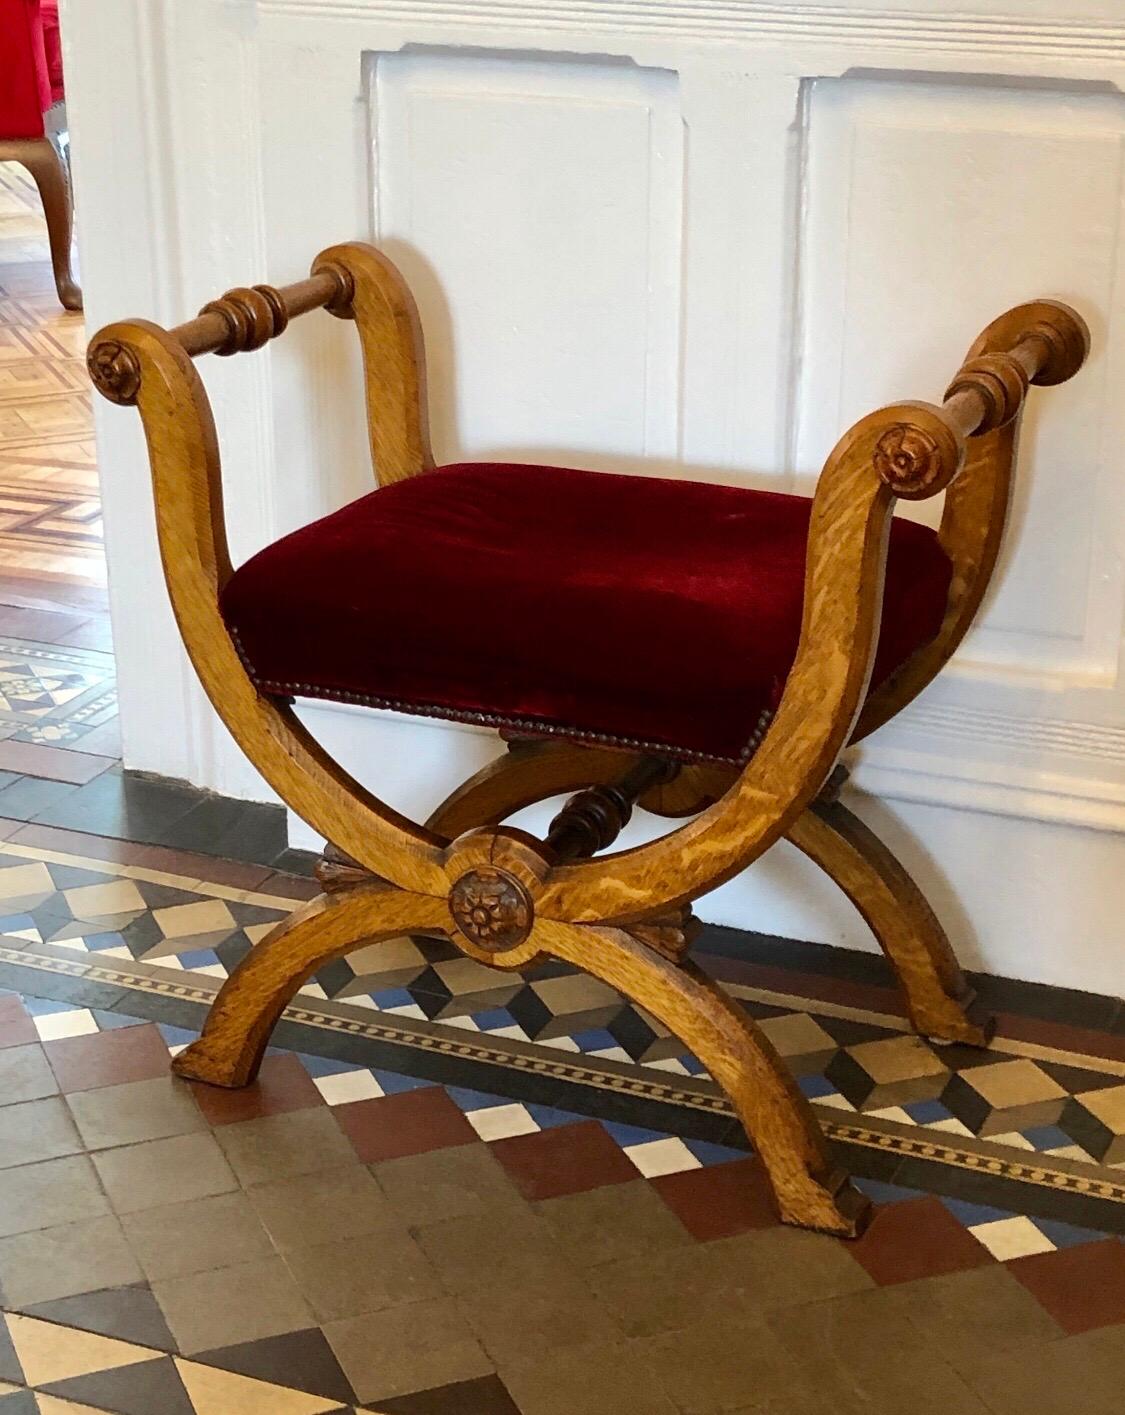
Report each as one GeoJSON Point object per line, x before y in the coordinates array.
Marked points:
{"type": "Point", "coordinates": [696, 239]}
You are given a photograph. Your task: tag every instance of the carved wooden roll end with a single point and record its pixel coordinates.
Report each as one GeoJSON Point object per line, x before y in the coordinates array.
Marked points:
{"type": "Point", "coordinates": [1058, 334]}
{"type": "Point", "coordinates": [114, 370]}
{"type": "Point", "coordinates": [341, 303]}
{"type": "Point", "coordinates": [919, 453]}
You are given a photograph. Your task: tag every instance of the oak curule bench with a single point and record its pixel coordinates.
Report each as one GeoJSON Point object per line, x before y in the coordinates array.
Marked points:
{"type": "Point", "coordinates": [707, 652]}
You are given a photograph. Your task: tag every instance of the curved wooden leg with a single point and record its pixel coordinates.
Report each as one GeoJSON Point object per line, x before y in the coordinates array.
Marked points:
{"type": "Point", "coordinates": [252, 999]}
{"type": "Point", "coordinates": [939, 1000]}
{"type": "Point", "coordinates": [810, 1190]}
{"type": "Point", "coordinates": [44, 164]}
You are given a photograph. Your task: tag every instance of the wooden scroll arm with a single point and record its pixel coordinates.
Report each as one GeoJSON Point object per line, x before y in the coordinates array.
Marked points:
{"type": "Point", "coordinates": [141, 363]}
{"type": "Point", "coordinates": [1043, 343]}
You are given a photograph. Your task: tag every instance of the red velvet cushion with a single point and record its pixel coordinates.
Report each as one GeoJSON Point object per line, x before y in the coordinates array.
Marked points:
{"type": "Point", "coordinates": [25, 89]}
{"type": "Point", "coordinates": [662, 612]}
{"type": "Point", "coordinates": [52, 48]}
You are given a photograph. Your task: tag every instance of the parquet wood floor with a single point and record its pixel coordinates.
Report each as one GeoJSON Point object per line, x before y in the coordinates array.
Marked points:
{"type": "Point", "coordinates": [50, 509]}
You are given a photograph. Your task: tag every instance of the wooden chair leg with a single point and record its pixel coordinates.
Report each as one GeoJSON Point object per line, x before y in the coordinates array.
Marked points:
{"type": "Point", "coordinates": [939, 1000]}
{"type": "Point", "coordinates": [810, 1190]}
{"type": "Point", "coordinates": [240, 1021]}
{"type": "Point", "coordinates": [43, 162]}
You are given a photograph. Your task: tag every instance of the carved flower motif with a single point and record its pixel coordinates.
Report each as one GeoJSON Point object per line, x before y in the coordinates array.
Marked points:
{"type": "Point", "coordinates": [114, 371]}
{"type": "Point", "coordinates": [907, 458]}
{"type": "Point", "coordinates": [491, 908]}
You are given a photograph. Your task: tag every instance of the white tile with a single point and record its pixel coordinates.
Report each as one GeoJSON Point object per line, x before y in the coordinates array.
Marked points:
{"type": "Point", "coordinates": [77, 944]}
{"type": "Point", "coordinates": [670, 1063]}
{"type": "Point", "coordinates": [466, 1023]}
{"type": "Point", "coordinates": [1008, 1238]}
{"type": "Point", "coordinates": [560, 1043]}
{"type": "Point", "coordinates": [516, 1032]}
{"type": "Point", "coordinates": [312, 990]}
{"type": "Point", "coordinates": [1014, 1141]}
{"type": "Point", "coordinates": [177, 1047]}
{"type": "Point", "coordinates": [212, 970]}
{"type": "Point", "coordinates": [668, 1156]}
{"type": "Point", "coordinates": [892, 1112]}
{"type": "Point", "coordinates": [950, 1126]}
{"type": "Point", "coordinates": [499, 1121]}
{"type": "Point", "coordinates": [612, 1054]}
{"type": "Point", "coordinates": [53, 1025]}
{"type": "Point", "coordinates": [347, 1086]}
{"type": "Point", "coordinates": [31, 935]}
{"type": "Point", "coordinates": [1073, 1152]}
{"type": "Point", "coordinates": [836, 1101]}
{"type": "Point", "coordinates": [410, 1009]}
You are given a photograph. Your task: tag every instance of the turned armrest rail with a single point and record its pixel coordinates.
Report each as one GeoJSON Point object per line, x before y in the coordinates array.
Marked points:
{"type": "Point", "coordinates": [247, 317]}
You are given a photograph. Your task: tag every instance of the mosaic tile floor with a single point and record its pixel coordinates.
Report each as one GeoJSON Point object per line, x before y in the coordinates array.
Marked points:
{"type": "Point", "coordinates": [453, 1190]}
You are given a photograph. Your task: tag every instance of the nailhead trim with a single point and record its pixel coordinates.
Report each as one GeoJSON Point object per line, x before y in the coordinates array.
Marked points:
{"type": "Point", "coordinates": [489, 719]}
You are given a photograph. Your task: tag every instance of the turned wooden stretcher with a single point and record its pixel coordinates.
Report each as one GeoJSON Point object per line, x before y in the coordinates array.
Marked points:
{"type": "Point", "coordinates": [528, 546]}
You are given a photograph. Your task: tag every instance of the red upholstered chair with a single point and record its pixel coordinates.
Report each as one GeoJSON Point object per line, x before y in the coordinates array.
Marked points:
{"type": "Point", "coordinates": [706, 651]}
{"type": "Point", "coordinates": [31, 81]}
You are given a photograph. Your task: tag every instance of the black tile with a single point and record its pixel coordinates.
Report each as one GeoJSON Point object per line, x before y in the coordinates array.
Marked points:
{"type": "Point", "coordinates": [140, 1389]}
{"type": "Point", "coordinates": [301, 1360]}
{"type": "Point", "coordinates": [122, 806]}
{"type": "Point", "coordinates": [485, 1396]}
{"type": "Point", "coordinates": [296, 862]}
{"type": "Point", "coordinates": [126, 1313]}
{"type": "Point", "coordinates": [238, 830]}
{"type": "Point", "coordinates": [9, 1363]}
{"type": "Point", "coordinates": [28, 796]}
{"type": "Point", "coordinates": [1076, 1009]}
{"type": "Point", "coordinates": [750, 947]}
{"type": "Point", "coordinates": [20, 1402]}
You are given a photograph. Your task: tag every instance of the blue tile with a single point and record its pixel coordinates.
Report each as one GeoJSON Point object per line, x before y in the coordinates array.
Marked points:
{"type": "Point", "coordinates": [326, 1065]}
{"type": "Point", "coordinates": [880, 1193]}
{"type": "Point", "coordinates": [45, 1006]}
{"type": "Point", "coordinates": [15, 922]}
{"type": "Point", "coordinates": [469, 1099]}
{"type": "Point", "coordinates": [109, 1021]}
{"type": "Point", "coordinates": [1047, 1137]}
{"type": "Point", "coordinates": [632, 1134]}
{"type": "Point", "coordinates": [391, 997]}
{"type": "Point", "coordinates": [96, 942]}
{"type": "Point", "coordinates": [971, 1214]}
{"type": "Point", "coordinates": [707, 1153]}
{"type": "Point", "coordinates": [393, 1082]}
{"type": "Point", "coordinates": [1065, 1235]}
{"type": "Point", "coordinates": [494, 1019]}
{"type": "Point", "coordinates": [816, 1086]}
{"type": "Point", "coordinates": [548, 1118]}
{"type": "Point", "coordinates": [176, 1036]}
{"type": "Point", "coordinates": [596, 1040]}
{"type": "Point", "coordinates": [926, 1112]}
{"type": "Point", "coordinates": [198, 958]}
{"type": "Point", "coordinates": [692, 1064]}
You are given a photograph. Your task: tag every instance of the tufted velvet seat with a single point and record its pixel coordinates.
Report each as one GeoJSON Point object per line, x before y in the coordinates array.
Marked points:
{"type": "Point", "coordinates": [647, 611]}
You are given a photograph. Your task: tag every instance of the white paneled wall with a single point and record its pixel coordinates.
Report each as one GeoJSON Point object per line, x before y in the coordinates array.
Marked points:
{"type": "Point", "coordinates": [660, 235]}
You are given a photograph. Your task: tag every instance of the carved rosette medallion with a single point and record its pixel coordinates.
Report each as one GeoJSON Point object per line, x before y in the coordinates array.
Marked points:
{"type": "Point", "coordinates": [908, 459]}
{"type": "Point", "coordinates": [491, 908]}
{"type": "Point", "coordinates": [114, 371]}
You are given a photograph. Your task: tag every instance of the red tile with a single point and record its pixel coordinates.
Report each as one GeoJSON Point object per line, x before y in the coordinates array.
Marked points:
{"type": "Point", "coordinates": [409, 1123]}
{"type": "Point", "coordinates": [283, 1084]}
{"type": "Point", "coordinates": [77, 842]}
{"type": "Point", "coordinates": [918, 1238]}
{"type": "Point", "coordinates": [108, 1058]}
{"type": "Point", "coordinates": [51, 763]}
{"type": "Point", "coordinates": [1081, 1287]}
{"type": "Point", "coordinates": [236, 874]}
{"type": "Point", "coordinates": [567, 1159]}
{"type": "Point", "coordinates": [16, 1027]}
{"type": "Point", "coordinates": [1060, 1035]}
{"type": "Point", "coordinates": [720, 1199]}
{"type": "Point", "coordinates": [290, 886]}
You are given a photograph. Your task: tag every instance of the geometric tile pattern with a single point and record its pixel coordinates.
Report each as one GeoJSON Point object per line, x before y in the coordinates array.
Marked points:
{"type": "Point", "coordinates": [52, 695]}
{"type": "Point", "coordinates": [1069, 1110]}
{"type": "Point", "coordinates": [360, 1239]}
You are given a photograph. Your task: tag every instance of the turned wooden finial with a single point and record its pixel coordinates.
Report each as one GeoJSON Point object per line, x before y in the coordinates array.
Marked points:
{"type": "Point", "coordinates": [1000, 380]}
{"type": "Point", "coordinates": [253, 315]}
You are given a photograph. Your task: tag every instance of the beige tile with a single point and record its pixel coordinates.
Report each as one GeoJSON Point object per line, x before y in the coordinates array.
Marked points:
{"type": "Point", "coordinates": [25, 1075]}
{"type": "Point", "coordinates": [49, 1352]}
{"type": "Point", "coordinates": [282, 1146]}
{"type": "Point", "coordinates": [1108, 1106]}
{"type": "Point", "coordinates": [1006, 1084]}
{"type": "Point", "coordinates": [1077, 1375]}
{"type": "Point", "coordinates": [65, 1260]}
{"type": "Point", "coordinates": [449, 1183]}
{"type": "Point", "coordinates": [895, 1059]}
{"type": "Point", "coordinates": [363, 1273]}
{"type": "Point", "coordinates": [205, 917]}
{"type": "Point", "coordinates": [614, 1223]}
{"type": "Point", "coordinates": [496, 1246]}
{"type": "Point", "coordinates": [971, 1314]}
{"type": "Point", "coordinates": [91, 902]}
{"type": "Point", "coordinates": [797, 1034]}
{"type": "Point", "coordinates": [25, 882]}
{"type": "Point", "coordinates": [182, 1238]}
{"type": "Point", "coordinates": [414, 1347]}
{"type": "Point", "coordinates": [36, 1130]}
{"type": "Point", "coordinates": [721, 1363]}
{"type": "Point", "coordinates": [322, 1207]}
{"type": "Point", "coordinates": [227, 1306]}
{"type": "Point", "coordinates": [550, 1311]}
{"type": "Point", "coordinates": [43, 1195]}
{"type": "Point", "coordinates": [135, 1111]}
{"type": "Point", "coordinates": [216, 1392]}
{"type": "Point", "coordinates": [601, 1378]}
{"type": "Point", "coordinates": [161, 1172]}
